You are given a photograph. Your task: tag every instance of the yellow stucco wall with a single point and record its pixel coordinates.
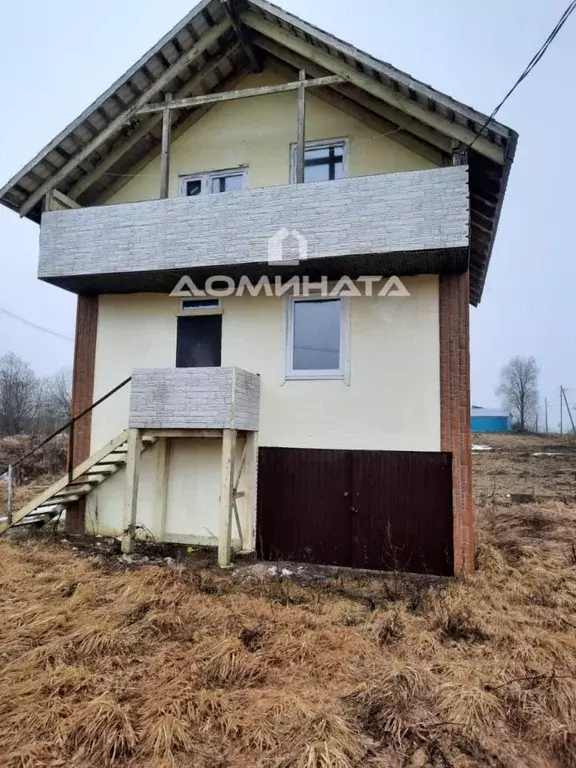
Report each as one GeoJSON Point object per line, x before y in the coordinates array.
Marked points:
{"type": "Point", "coordinates": [392, 401]}
{"type": "Point", "coordinates": [257, 133]}
{"type": "Point", "coordinates": [394, 350]}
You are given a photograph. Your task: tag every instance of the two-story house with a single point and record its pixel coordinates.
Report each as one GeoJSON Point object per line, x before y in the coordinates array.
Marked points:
{"type": "Point", "coordinates": [287, 397]}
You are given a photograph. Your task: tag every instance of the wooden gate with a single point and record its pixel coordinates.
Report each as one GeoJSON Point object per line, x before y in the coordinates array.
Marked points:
{"type": "Point", "coordinates": [386, 510]}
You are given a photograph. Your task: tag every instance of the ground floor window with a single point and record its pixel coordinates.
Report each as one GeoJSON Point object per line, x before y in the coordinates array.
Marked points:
{"type": "Point", "coordinates": [317, 338]}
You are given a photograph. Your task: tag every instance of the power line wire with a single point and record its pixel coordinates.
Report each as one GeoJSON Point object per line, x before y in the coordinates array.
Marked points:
{"type": "Point", "coordinates": [12, 316]}
{"type": "Point", "coordinates": [533, 62]}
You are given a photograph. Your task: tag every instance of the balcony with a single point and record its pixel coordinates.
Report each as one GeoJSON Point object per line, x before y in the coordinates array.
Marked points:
{"type": "Point", "coordinates": [401, 223]}
{"type": "Point", "coordinates": [194, 398]}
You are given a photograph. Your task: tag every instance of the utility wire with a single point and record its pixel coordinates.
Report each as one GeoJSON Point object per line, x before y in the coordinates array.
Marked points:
{"type": "Point", "coordinates": [34, 325]}
{"type": "Point", "coordinates": [533, 62]}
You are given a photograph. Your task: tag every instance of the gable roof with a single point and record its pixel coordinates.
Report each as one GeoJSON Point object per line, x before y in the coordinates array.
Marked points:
{"type": "Point", "coordinates": [210, 50]}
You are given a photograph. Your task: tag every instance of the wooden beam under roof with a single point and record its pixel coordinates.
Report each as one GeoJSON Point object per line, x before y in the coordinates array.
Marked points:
{"type": "Point", "coordinates": [394, 98]}
{"type": "Point", "coordinates": [486, 207]}
{"type": "Point", "coordinates": [243, 93]}
{"type": "Point", "coordinates": [398, 119]}
{"type": "Point", "coordinates": [61, 199]}
{"type": "Point", "coordinates": [301, 129]}
{"type": "Point", "coordinates": [335, 98]}
{"type": "Point", "coordinates": [207, 40]}
{"type": "Point", "coordinates": [345, 49]}
{"type": "Point", "coordinates": [178, 130]}
{"type": "Point", "coordinates": [243, 34]}
{"type": "Point", "coordinates": [165, 152]}
{"type": "Point", "coordinates": [85, 182]}
{"type": "Point", "coordinates": [481, 224]}
{"type": "Point", "coordinates": [486, 221]}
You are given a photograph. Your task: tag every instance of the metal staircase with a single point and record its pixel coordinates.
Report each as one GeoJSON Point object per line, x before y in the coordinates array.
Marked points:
{"type": "Point", "coordinates": [75, 484]}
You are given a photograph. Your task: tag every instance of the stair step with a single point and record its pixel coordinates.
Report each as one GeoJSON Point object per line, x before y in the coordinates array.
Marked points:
{"type": "Point", "coordinates": [38, 515]}
{"type": "Point", "coordinates": [93, 479]}
{"type": "Point", "coordinates": [73, 491]}
{"type": "Point", "coordinates": [90, 473]}
{"type": "Point", "coordinates": [111, 459]}
{"type": "Point", "coordinates": [100, 469]}
{"type": "Point", "coordinates": [34, 520]}
{"type": "Point", "coordinates": [110, 468]}
{"type": "Point", "coordinates": [54, 510]}
{"type": "Point", "coordinates": [81, 481]}
{"type": "Point", "coordinates": [59, 500]}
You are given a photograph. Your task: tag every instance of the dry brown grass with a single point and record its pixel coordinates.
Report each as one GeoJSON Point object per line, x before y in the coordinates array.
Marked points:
{"type": "Point", "coordinates": [48, 460]}
{"type": "Point", "coordinates": [152, 667]}
{"type": "Point", "coordinates": [23, 493]}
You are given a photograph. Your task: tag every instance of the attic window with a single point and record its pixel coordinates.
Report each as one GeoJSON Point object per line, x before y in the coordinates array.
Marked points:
{"type": "Point", "coordinates": [323, 160]}
{"type": "Point", "coordinates": [213, 183]}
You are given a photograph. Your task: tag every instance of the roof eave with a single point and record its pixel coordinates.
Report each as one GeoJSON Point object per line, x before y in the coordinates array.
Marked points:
{"type": "Point", "coordinates": [451, 112]}
{"type": "Point", "coordinates": [509, 159]}
{"type": "Point", "coordinates": [54, 143]}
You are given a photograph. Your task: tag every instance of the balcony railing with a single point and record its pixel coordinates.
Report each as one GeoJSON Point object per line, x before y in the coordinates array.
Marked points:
{"type": "Point", "coordinates": [133, 246]}
{"type": "Point", "coordinates": [194, 398]}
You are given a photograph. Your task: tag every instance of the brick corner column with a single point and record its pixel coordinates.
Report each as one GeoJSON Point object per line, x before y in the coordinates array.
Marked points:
{"type": "Point", "coordinates": [455, 410]}
{"type": "Point", "coordinates": [82, 396]}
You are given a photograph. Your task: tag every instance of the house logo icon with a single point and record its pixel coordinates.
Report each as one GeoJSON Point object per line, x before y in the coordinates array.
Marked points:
{"type": "Point", "coordinates": [285, 247]}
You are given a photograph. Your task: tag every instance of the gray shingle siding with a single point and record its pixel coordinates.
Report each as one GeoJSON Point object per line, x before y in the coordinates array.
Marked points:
{"type": "Point", "coordinates": [194, 398]}
{"type": "Point", "coordinates": [417, 210]}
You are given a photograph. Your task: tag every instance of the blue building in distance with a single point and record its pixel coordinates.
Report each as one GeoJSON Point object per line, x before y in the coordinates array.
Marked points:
{"type": "Point", "coordinates": [489, 420]}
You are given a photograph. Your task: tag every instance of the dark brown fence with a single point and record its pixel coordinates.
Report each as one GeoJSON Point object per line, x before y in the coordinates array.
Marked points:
{"type": "Point", "coordinates": [386, 510]}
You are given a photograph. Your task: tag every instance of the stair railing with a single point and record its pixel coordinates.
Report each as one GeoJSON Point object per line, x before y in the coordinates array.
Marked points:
{"type": "Point", "coordinates": [9, 471]}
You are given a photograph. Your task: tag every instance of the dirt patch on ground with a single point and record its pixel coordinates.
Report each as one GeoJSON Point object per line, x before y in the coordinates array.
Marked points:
{"type": "Point", "coordinates": [114, 663]}
{"type": "Point", "coordinates": [541, 464]}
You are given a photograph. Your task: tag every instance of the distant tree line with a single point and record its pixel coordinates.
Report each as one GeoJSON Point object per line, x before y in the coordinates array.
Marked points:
{"type": "Point", "coordinates": [31, 404]}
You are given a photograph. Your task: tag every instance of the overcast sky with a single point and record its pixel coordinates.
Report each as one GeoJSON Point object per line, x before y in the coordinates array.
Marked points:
{"type": "Point", "coordinates": [56, 56]}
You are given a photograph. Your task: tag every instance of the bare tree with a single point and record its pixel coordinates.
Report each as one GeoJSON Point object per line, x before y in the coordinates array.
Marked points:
{"type": "Point", "coordinates": [18, 395]}
{"type": "Point", "coordinates": [62, 392]}
{"type": "Point", "coordinates": [29, 404]}
{"type": "Point", "coordinates": [56, 404]}
{"type": "Point", "coordinates": [519, 390]}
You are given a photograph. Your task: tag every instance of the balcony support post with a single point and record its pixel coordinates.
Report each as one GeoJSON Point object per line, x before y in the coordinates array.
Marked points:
{"type": "Point", "coordinates": [459, 153]}
{"type": "Point", "coordinates": [250, 486]}
{"type": "Point", "coordinates": [301, 140]}
{"type": "Point", "coordinates": [131, 489]}
{"type": "Point", "coordinates": [165, 158]}
{"type": "Point", "coordinates": [161, 496]}
{"type": "Point", "coordinates": [226, 497]}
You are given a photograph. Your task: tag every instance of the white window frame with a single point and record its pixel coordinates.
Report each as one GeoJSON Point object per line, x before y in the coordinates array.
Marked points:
{"type": "Point", "coordinates": [207, 178]}
{"type": "Point", "coordinates": [321, 144]}
{"type": "Point", "coordinates": [343, 372]}
{"type": "Point", "coordinates": [208, 306]}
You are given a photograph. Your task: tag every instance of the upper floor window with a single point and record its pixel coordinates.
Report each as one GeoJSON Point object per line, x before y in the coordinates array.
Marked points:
{"type": "Point", "coordinates": [217, 181]}
{"type": "Point", "coordinates": [323, 160]}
